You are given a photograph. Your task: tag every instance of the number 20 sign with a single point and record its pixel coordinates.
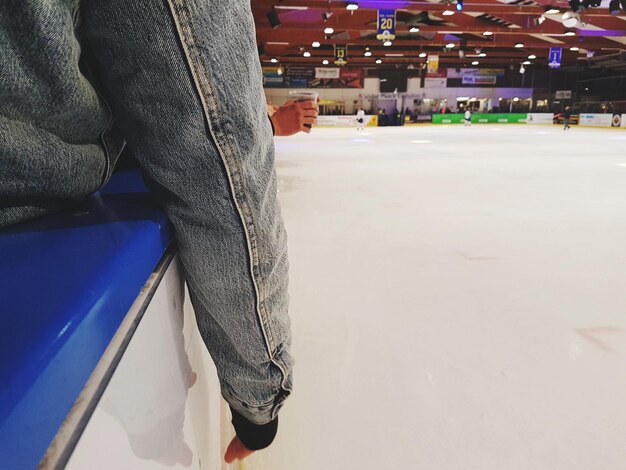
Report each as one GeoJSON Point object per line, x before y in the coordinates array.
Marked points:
{"type": "Point", "coordinates": [386, 25]}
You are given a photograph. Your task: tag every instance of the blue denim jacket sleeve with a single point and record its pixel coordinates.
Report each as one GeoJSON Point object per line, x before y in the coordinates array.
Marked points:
{"type": "Point", "coordinates": [182, 81]}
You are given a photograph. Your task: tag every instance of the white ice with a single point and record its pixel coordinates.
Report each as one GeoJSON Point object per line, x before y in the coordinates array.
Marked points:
{"type": "Point", "coordinates": [458, 298]}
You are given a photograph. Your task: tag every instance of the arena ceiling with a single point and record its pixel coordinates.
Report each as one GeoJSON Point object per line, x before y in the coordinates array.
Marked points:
{"type": "Point", "coordinates": [519, 29]}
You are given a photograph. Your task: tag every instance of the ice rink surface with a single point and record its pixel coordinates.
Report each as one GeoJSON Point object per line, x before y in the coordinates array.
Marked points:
{"type": "Point", "coordinates": [458, 298]}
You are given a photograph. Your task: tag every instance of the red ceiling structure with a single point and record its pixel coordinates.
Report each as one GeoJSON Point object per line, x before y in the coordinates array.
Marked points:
{"type": "Point", "coordinates": [512, 22]}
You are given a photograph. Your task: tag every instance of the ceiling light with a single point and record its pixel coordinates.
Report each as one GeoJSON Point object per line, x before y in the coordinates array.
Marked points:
{"type": "Point", "coordinates": [532, 56]}
{"type": "Point", "coordinates": [316, 44]}
{"type": "Point", "coordinates": [279, 70]}
{"type": "Point", "coordinates": [570, 33]}
{"type": "Point", "coordinates": [541, 20]}
{"type": "Point", "coordinates": [574, 49]}
{"type": "Point", "coordinates": [274, 43]}
{"type": "Point", "coordinates": [526, 62]}
{"type": "Point", "coordinates": [488, 33]}
{"type": "Point", "coordinates": [379, 61]}
{"type": "Point", "coordinates": [450, 46]}
{"type": "Point", "coordinates": [394, 55]}
{"type": "Point", "coordinates": [290, 8]}
{"type": "Point", "coordinates": [552, 11]}
{"type": "Point", "coordinates": [329, 30]}
{"type": "Point", "coordinates": [475, 62]}
{"type": "Point", "coordinates": [325, 62]}
{"type": "Point", "coordinates": [367, 53]}
{"type": "Point", "coordinates": [482, 54]}
{"type": "Point", "coordinates": [387, 43]}
{"type": "Point", "coordinates": [414, 29]}
{"type": "Point", "coordinates": [522, 69]}
{"type": "Point", "coordinates": [352, 6]}
{"type": "Point", "coordinates": [519, 45]}
{"type": "Point", "coordinates": [422, 55]}
{"type": "Point", "coordinates": [516, 99]}
{"type": "Point", "coordinates": [448, 12]}
{"type": "Point", "coordinates": [307, 54]}
{"type": "Point", "coordinates": [326, 15]}
{"type": "Point", "coordinates": [570, 19]}
{"type": "Point", "coordinates": [274, 60]}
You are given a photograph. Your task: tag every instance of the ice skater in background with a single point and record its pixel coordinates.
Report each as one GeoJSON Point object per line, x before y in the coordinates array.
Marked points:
{"type": "Point", "coordinates": [567, 115]}
{"type": "Point", "coordinates": [468, 118]}
{"type": "Point", "coordinates": [360, 119]}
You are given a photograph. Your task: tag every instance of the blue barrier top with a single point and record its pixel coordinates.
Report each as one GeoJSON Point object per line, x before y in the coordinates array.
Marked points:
{"type": "Point", "coordinates": [66, 283]}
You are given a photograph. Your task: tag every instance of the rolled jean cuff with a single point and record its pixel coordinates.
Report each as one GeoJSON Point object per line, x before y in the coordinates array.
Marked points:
{"type": "Point", "coordinates": [254, 436]}
{"type": "Point", "coordinates": [259, 414]}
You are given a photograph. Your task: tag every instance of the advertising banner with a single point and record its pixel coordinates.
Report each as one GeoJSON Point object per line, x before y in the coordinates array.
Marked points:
{"type": "Point", "coordinates": [617, 120]}
{"type": "Point", "coordinates": [489, 118]}
{"type": "Point", "coordinates": [477, 79]}
{"type": "Point", "coordinates": [540, 118]}
{"type": "Point", "coordinates": [342, 121]}
{"type": "Point", "coordinates": [596, 120]}
{"type": "Point", "coordinates": [271, 78]}
{"type": "Point", "coordinates": [297, 76]}
{"type": "Point", "coordinates": [386, 30]}
{"type": "Point", "coordinates": [480, 76]}
{"type": "Point", "coordinates": [421, 118]}
{"type": "Point", "coordinates": [348, 78]}
{"type": "Point", "coordinates": [341, 55]}
{"type": "Point", "coordinates": [321, 72]}
{"type": "Point", "coordinates": [435, 82]}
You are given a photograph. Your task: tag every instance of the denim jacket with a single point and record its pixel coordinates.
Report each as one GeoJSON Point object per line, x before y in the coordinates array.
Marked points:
{"type": "Point", "coordinates": [180, 82]}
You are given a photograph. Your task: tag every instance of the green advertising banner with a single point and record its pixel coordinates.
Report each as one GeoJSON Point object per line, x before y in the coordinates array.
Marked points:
{"type": "Point", "coordinates": [492, 118]}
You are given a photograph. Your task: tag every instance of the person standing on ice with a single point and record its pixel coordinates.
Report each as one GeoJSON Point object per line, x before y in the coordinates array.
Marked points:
{"type": "Point", "coordinates": [468, 117]}
{"type": "Point", "coordinates": [360, 119]}
{"type": "Point", "coordinates": [567, 115]}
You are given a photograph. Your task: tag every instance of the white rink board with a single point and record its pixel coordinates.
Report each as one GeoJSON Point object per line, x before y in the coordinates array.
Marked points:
{"type": "Point", "coordinates": [595, 120]}
{"type": "Point", "coordinates": [162, 408]}
{"type": "Point", "coordinates": [540, 118]}
{"type": "Point", "coordinates": [341, 121]}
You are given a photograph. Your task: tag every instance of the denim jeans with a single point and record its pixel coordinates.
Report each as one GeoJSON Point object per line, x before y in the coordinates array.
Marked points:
{"type": "Point", "coordinates": [180, 82]}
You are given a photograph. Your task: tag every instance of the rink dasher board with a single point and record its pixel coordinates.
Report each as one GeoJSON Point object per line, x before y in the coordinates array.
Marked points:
{"type": "Point", "coordinates": [154, 397]}
{"type": "Point", "coordinates": [345, 121]}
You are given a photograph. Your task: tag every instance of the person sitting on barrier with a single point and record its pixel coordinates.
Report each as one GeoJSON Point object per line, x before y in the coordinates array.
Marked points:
{"type": "Point", "coordinates": [178, 84]}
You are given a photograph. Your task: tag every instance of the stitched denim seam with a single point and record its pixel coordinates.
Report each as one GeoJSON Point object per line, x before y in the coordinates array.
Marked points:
{"type": "Point", "coordinates": [233, 172]}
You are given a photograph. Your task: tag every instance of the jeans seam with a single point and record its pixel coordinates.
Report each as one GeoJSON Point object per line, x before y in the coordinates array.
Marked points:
{"type": "Point", "coordinates": [101, 137]}
{"type": "Point", "coordinates": [233, 172]}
